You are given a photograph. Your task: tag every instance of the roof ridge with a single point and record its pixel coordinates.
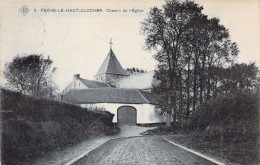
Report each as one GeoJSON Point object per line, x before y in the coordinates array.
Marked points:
{"type": "Point", "coordinates": [102, 64]}
{"type": "Point", "coordinates": [143, 96]}
{"type": "Point", "coordinates": [92, 80]}
{"type": "Point", "coordinates": [102, 95]}
{"type": "Point", "coordinates": [109, 54]}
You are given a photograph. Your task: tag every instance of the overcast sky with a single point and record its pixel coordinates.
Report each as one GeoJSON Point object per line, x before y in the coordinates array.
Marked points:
{"type": "Point", "coordinates": [79, 42]}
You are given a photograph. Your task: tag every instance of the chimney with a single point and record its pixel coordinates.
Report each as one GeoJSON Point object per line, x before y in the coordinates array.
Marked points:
{"type": "Point", "coordinates": [76, 76]}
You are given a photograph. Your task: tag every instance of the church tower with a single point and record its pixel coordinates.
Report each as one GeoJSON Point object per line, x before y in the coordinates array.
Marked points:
{"type": "Point", "coordinates": [110, 70]}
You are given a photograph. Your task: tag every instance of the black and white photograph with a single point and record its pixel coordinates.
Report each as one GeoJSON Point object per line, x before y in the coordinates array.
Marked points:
{"type": "Point", "coordinates": [110, 82]}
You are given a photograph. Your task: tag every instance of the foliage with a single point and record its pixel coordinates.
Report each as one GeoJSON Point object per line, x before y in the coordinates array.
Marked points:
{"type": "Point", "coordinates": [232, 114]}
{"type": "Point", "coordinates": [133, 71]}
{"type": "Point", "coordinates": [188, 47]}
{"type": "Point", "coordinates": [31, 75]}
{"type": "Point", "coordinates": [230, 120]}
{"type": "Point", "coordinates": [237, 77]}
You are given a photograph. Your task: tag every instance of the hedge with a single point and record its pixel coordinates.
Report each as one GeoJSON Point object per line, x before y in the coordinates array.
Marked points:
{"type": "Point", "coordinates": [232, 114]}
{"type": "Point", "coordinates": [33, 126]}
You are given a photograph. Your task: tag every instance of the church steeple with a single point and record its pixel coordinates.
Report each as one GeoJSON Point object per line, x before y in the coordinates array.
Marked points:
{"type": "Point", "coordinates": [111, 44]}
{"type": "Point", "coordinates": [111, 69]}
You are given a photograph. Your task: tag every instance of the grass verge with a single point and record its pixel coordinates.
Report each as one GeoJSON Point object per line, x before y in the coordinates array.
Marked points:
{"type": "Point", "coordinates": [229, 150]}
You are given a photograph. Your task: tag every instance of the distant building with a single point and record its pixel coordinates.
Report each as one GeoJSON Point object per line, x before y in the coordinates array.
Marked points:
{"type": "Point", "coordinates": [128, 97]}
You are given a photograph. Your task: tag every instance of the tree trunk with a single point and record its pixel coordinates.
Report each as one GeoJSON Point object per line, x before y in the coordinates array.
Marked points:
{"type": "Point", "coordinates": [202, 72]}
{"type": "Point", "coordinates": [168, 112]}
{"type": "Point", "coordinates": [168, 120]}
{"type": "Point", "coordinates": [181, 97]}
{"type": "Point", "coordinates": [174, 97]}
{"type": "Point", "coordinates": [188, 94]}
{"type": "Point", "coordinates": [194, 88]}
{"type": "Point", "coordinates": [208, 88]}
{"type": "Point", "coordinates": [215, 87]}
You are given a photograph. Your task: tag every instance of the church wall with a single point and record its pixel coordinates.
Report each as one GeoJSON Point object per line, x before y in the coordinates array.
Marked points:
{"type": "Point", "coordinates": [146, 113]}
{"type": "Point", "coordinates": [113, 77]}
{"type": "Point", "coordinates": [139, 81]}
{"type": "Point", "coordinates": [100, 78]}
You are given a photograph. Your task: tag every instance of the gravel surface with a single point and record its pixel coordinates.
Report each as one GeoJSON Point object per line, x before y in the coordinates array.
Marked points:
{"type": "Point", "coordinates": [147, 150]}
{"type": "Point", "coordinates": [129, 131]}
{"type": "Point", "coordinates": [65, 155]}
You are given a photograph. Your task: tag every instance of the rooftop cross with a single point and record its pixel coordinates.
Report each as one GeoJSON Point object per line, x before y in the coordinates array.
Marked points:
{"type": "Point", "coordinates": [111, 44]}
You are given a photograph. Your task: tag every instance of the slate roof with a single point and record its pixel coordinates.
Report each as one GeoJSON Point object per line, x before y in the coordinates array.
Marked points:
{"type": "Point", "coordinates": [140, 81]}
{"type": "Point", "coordinates": [87, 83]}
{"type": "Point", "coordinates": [93, 84]}
{"type": "Point", "coordinates": [111, 95]}
{"type": "Point", "coordinates": [111, 66]}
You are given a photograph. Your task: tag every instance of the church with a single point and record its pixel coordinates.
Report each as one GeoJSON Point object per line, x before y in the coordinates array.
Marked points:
{"type": "Point", "coordinates": [126, 96]}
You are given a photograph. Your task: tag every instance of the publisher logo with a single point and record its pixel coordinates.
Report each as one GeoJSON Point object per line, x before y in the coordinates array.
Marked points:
{"type": "Point", "coordinates": [24, 10]}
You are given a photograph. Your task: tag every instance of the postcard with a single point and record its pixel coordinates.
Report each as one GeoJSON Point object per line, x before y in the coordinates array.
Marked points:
{"type": "Point", "coordinates": [129, 82]}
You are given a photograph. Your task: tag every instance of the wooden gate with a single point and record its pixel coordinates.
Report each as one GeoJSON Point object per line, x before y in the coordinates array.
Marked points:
{"type": "Point", "coordinates": [126, 115]}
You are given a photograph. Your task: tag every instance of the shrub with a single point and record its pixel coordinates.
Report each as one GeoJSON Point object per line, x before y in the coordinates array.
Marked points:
{"type": "Point", "coordinates": [230, 114]}
{"type": "Point", "coordinates": [33, 126]}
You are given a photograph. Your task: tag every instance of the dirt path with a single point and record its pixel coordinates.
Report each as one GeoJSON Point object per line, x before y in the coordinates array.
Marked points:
{"type": "Point", "coordinates": [140, 150]}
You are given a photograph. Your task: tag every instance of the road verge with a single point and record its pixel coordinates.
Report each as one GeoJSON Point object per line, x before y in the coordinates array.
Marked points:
{"type": "Point", "coordinates": [194, 152]}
